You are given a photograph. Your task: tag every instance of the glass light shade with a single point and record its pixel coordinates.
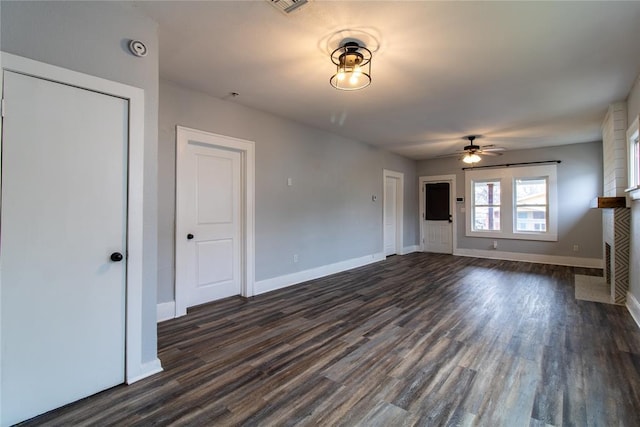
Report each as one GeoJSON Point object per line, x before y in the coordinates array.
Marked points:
{"type": "Point", "coordinates": [471, 158]}
{"type": "Point", "coordinates": [353, 67]}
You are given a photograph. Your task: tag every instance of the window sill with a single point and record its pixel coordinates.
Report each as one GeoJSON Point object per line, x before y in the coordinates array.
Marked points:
{"type": "Point", "coordinates": [634, 192]}
{"type": "Point", "coordinates": [541, 237]}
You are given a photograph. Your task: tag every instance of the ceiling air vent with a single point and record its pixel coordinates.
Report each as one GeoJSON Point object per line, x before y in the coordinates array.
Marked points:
{"type": "Point", "coordinates": [288, 6]}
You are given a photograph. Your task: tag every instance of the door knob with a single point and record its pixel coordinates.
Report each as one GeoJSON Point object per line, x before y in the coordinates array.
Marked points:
{"type": "Point", "coordinates": [116, 257]}
{"type": "Point", "coordinates": [189, 236]}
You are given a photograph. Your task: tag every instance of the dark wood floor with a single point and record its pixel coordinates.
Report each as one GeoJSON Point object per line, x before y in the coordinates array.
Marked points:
{"type": "Point", "coordinates": [415, 340]}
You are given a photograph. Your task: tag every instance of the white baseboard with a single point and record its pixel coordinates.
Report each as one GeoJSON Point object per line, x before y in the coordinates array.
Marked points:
{"type": "Point", "coordinates": [147, 369]}
{"type": "Point", "coordinates": [634, 307]}
{"type": "Point", "coordinates": [409, 250]}
{"type": "Point", "coordinates": [537, 258]}
{"type": "Point", "coordinates": [166, 311]}
{"type": "Point", "coordinates": [280, 282]}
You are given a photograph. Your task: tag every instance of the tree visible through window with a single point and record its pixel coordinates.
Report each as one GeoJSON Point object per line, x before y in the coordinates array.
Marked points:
{"type": "Point", "coordinates": [486, 205]}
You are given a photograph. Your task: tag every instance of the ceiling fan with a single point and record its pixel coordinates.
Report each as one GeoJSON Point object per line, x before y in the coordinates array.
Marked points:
{"type": "Point", "coordinates": [472, 152]}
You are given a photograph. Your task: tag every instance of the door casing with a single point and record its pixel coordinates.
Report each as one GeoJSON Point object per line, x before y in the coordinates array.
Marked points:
{"type": "Point", "coordinates": [451, 179]}
{"type": "Point", "coordinates": [58, 231]}
{"type": "Point", "coordinates": [135, 368]}
{"type": "Point", "coordinates": [247, 208]}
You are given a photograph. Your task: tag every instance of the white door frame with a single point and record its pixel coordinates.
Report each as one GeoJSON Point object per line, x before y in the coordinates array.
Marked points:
{"type": "Point", "coordinates": [247, 208]}
{"type": "Point", "coordinates": [135, 368]}
{"type": "Point", "coordinates": [452, 207]}
{"type": "Point", "coordinates": [399, 176]}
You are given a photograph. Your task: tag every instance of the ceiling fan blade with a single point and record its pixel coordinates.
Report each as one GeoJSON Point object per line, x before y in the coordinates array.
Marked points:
{"type": "Point", "coordinates": [471, 148]}
{"type": "Point", "coordinates": [488, 148]}
{"type": "Point", "coordinates": [489, 153]}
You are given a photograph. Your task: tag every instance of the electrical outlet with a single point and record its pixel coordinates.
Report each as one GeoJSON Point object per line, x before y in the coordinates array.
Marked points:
{"type": "Point", "coordinates": [576, 248]}
{"type": "Point", "coordinates": [495, 244]}
{"type": "Point", "coordinates": [295, 257]}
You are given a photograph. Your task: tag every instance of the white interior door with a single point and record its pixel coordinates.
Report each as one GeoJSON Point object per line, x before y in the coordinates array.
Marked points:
{"type": "Point", "coordinates": [64, 156]}
{"type": "Point", "coordinates": [437, 217]}
{"type": "Point", "coordinates": [209, 226]}
{"type": "Point", "coordinates": [390, 215]}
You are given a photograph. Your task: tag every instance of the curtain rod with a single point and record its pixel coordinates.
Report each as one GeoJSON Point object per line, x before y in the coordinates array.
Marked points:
{"type": "Point", "coordinates": [512, 164]}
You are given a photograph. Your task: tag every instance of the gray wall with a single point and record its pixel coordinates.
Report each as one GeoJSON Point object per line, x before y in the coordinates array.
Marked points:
{"type": "Point", "coordinates": [633, 110]}
{"type": "Point", "coordinates": [91, 38]}
{"type": "Point", "coordinates": [579, 181]}
{"type": "Point", "coordinates": [327, 215]}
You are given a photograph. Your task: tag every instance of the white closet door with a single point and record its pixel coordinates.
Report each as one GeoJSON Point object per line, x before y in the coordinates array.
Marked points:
{"type": "Point", "coordinates": [390, 217]}
{"type": "Point", "coordinates": [64, 157]}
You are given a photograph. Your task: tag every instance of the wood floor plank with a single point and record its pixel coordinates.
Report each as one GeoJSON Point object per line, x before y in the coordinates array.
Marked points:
{"type": "Point", "coordinates": [421, 339]}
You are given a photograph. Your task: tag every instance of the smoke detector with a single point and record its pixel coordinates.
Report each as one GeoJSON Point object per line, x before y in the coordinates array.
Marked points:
{"type": "Point", "coordinates": [138, 48]}
{"type": "Point", "coordinates": [288, 6]}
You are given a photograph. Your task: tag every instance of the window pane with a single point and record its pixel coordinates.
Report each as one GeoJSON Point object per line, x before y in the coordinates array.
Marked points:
{"type": "Point", "coordinates": [634, 172]}
{"type": "Point", "coordinates": [437, 201]}
{"type": "Point", "coordinates": [486, 193]}
{"type": "Point", "coordinates": [531, 218]}
{"type": "Point", "coordinates": [531, 191]}
{"type": "Point", "coordinates": [486, 219]}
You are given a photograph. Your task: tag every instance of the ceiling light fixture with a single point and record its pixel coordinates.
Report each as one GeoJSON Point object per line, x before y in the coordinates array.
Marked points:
{"type": "Point", "coordinates": [471, 158]}
{"type": "Point", "coordinates": [353, 66]}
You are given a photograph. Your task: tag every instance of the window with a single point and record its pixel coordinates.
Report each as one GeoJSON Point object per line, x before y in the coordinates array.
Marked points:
{"type": "Point", "coordinates": [634, 165]}
{"type": "Point", "coordinates": [512, 203]}
{"type": "Point", "coordinates": [486, 205]}
{"type": "Point", "coordinates": [633, 154]}
{"type": "Point", "coordinates": [531, 204]}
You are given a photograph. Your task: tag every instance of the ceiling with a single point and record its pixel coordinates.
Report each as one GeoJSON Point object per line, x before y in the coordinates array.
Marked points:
{"type": "Point", "coordinates": [521, 74]}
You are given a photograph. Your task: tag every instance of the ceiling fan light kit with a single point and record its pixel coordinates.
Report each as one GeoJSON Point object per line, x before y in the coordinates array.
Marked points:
{"type": "Point", "coordinates": [353, 66]}
{"type": "Point", "coordinates": [471, 158]}
{"type": "Point", "coordinates": [472, 152]}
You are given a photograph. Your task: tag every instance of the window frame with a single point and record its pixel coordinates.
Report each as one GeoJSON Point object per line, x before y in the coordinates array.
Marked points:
{"type": "Point", "coordinates": [495, 204]}
{"type": "Point", "coordinates": [633, 159]}
{"type": "Point", "coordinates": [516, 205]}
{"type": "Point", "coordinates": [508, 205]}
